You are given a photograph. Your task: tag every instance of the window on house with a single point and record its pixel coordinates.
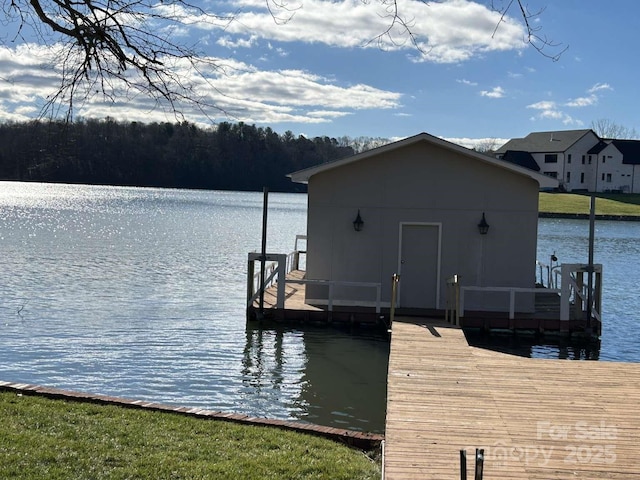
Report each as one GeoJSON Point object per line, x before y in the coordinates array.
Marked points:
{"type": "Point", "coordinates": [583, 158]}
{"type": "Point", "coordinates": [603, 177]}
{"type": "Point", "coordinates": [569, 158]}
{"type": "Point", "coordinates": [604, 159]}
{"type": "Point", "coordinates": [589, 159]}
{"type": "Point", "coordinates": [551, 158]}
{"type": "Point", "coordinates": [551, 174]}
{"type": "Point", "coordinates": [582, 177]}
{"type": "Point", "coordinates": [608, 178]}
{"type": "Point", "coordinates": [568, 177]}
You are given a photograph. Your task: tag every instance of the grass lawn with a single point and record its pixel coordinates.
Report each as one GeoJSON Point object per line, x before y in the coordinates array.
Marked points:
{"type": "Point", "coordinates": [606, 203]}
{"type": "Point", "coordinates": [49, 439]}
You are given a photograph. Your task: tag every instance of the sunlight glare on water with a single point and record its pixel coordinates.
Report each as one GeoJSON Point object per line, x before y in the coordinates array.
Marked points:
{"type": "Point", "coordinates": [140, 293]}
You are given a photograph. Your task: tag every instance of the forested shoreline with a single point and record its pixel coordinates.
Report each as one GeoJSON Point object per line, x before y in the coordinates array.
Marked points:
{"type": "Point", "coordinates": [175, 155]}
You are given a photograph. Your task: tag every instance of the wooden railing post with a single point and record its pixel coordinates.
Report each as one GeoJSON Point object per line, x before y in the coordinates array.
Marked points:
{"type": "Point", "coordinates": [452, 308]}
{"type": "Point", "coordinates": [395, 278]}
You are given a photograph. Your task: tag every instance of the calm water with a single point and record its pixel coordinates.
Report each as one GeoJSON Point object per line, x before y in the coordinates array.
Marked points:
{"type": "Point", "coordinates": [617, 248]}
{"type": "Point", "coordinates": [139, 293]}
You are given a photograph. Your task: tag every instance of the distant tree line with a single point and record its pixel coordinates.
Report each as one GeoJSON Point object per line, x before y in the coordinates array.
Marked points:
{"type": "Point", "coordinates": [180, 155]}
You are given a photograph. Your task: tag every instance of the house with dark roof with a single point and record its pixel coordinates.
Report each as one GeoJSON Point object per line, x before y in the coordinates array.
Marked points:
{"type": "Point", "coordinates": [578, 159]}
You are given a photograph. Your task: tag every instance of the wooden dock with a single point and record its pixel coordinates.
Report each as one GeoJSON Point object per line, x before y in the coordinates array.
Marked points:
{"type": "Point", "coordinates": [535, 418]}
{"type": "Point", "coordinates": [296, 310]}
{"type": "Point", "coordinates": [544, 319]}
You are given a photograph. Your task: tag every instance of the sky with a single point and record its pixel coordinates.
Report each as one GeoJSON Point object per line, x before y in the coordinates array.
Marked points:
{"type": "Point", "coordinates": [315, 68]}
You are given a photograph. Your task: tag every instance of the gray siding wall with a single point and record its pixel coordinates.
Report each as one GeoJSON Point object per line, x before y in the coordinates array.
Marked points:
{"type": "Point", "coordinates": [431, 184]}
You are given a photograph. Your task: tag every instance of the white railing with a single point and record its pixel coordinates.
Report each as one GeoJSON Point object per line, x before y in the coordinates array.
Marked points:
{"type": "Point", "coordinates": [575, 292]}
{"type": "Point", "coordinates": [510, 290]}
{"type": "Point", "coordinates": [273, 268]}
{"type": "Point", "coordinates": [277, 266]}
{"type": "Point", "coordinates": [551, 270]}
{"type": "Point", "coordinates": [332, 284]}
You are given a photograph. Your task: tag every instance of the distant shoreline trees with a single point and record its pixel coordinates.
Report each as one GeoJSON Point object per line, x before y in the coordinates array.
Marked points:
{"type": "Point", "coordinates": [174, 155]}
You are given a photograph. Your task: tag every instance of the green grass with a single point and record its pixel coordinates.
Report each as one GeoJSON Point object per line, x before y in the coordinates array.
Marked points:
{"type": "Point", "coordinates": [49, 439]}
{"type": "Point", "coordinates": [606, 203]}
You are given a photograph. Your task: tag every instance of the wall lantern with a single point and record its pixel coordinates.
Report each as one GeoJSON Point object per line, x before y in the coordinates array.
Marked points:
{"type": "Point", "coordinates": [483, 226]}
{"type": "Point", "coordinates": [358, 223]}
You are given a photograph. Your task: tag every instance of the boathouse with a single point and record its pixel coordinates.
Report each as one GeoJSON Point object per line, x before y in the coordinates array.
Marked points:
{"type": "Point", "coordinates": [429, 211]}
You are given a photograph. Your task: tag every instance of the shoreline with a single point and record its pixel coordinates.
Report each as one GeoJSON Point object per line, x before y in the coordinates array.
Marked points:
{"type": "Point", "coordinates": [361, 440]}
{"type": "Point", "coordinates": [585, 216]}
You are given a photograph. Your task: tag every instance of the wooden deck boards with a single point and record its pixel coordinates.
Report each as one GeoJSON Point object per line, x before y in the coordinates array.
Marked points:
{"type": "Point", "coordinates": [535, 418]}
{"type": "Point", "coordinates": [294, 294]}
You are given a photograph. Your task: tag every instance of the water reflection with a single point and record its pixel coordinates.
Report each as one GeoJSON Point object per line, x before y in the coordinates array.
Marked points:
{"type": "Point", "coordinates": [537, 346]}
{"type": "Point", "coordinates": [342, 377]}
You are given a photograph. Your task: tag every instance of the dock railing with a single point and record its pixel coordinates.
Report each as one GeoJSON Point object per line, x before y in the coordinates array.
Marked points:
{"type": "Point", "coordinates": [279, 265]}
{"type": "Point", "coordinates": [579, 301]}
{"type": "Point", "coordinates": [573, 292]}
{"type": "Point", "coordinates": [331, 284]}
{"type": "Point", "coordinates": [512, 291]}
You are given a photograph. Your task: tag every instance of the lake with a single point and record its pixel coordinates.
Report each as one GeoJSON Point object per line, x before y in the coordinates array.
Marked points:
{"type": "Point", "coordinates": [140, 293]}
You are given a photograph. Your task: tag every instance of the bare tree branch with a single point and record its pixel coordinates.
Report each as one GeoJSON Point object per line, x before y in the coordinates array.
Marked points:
{"type": "Point", "coordinates": [111, 48]}
{"type": "Point", "coordinates": [533, 36]}
{"type": "Point", "coordinates": [606, 128]}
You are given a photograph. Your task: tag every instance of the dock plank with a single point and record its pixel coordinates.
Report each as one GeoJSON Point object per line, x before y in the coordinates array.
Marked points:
{"type": "Point", "coordinates": [535, 418]}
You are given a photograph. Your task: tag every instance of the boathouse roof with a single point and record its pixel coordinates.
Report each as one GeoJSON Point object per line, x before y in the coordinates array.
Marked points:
{"type": "Point", "coordinates": [303, 176]}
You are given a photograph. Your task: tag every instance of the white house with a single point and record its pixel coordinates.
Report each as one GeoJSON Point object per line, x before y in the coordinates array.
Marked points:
{"type": "Point", "coordinates": [617, 166]}
{"type": "Point", "coordinates": [579, 159]}
{"type": "Point", "coordinates": [421, 201]}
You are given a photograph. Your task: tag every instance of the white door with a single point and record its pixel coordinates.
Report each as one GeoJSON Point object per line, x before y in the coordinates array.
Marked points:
{"type": "Point", "coordinates": [419, 265]}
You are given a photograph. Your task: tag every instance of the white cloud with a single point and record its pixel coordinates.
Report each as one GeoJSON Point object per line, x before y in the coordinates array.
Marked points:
{"type": "Point", "coordinates": [550, 110]}
{"type": "Point", "coordinates": [467, 82]}
{"type": "Point", "coordinates": [599, 86]}
{"type": "Point", "coordinates": [582, 101]}
{"type": "Point", "coordinates": [553, 110]}
{"type": "Point", "coordinates": [447, 31]}
{"type": "Point", "coordinates": [592, 98]}
{"type": "Point", "coordinates": [543, 105]}
{"type": "Point", "coordinates": [496, 92]}
{"type": "Point", "coordinates": [279, 50]}
{"type": "Point", "coordinates": [238, 91]}
{"type": "Point", "coordinates": [228, 42]}
{"type": "Point", "coordinates": [477, 142]}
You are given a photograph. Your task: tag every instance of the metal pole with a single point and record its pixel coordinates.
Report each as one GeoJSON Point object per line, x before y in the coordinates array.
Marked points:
{"type": "Point", "coordinates": [263, 251]}
{"type": "Point", "coordinates": [479, 463]}
{"type": "Point", "coordinates": [463, 465]}
{"type": "Point", "coordinates": [592, 222]}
